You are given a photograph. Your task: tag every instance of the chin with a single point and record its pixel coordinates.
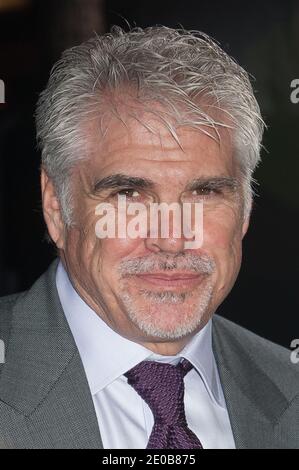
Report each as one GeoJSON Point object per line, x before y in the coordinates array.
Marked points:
{"type": "Point", "coordinates": [165, 314]}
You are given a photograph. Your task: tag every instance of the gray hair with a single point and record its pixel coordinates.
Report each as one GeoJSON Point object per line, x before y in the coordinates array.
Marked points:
{"type": "Point", "coordinates": [185, 71]}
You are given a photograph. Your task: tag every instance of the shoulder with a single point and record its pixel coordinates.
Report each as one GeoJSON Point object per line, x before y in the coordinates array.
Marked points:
{"type": "Point", "coordinates": [255, 352]}
{"type": "Point", "coordinates": [250, 340]}
{"type": "Point", "coordinates": [24, 310]}
{"type": "Point", "coordinates": [7, 304]}
{"type": "Point", "coordinates": [8, 301]}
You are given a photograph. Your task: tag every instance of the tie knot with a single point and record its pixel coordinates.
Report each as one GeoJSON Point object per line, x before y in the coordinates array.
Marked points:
{"type": "Point", "coordinates": [161, 385]}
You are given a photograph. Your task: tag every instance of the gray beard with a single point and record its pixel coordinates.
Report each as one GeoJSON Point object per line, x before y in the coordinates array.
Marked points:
{"type": "Point", "coordinates": [146, 323]}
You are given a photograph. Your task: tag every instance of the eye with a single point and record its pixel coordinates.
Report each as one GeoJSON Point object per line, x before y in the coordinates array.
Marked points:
{"type": "Point", "coordinates": [128, 192]}
{"type": "Point", "coordinates": [205, 191]}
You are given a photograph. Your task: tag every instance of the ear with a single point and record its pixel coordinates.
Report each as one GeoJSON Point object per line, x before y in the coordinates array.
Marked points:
{"type": "Point", "coordinates": [51, 210]}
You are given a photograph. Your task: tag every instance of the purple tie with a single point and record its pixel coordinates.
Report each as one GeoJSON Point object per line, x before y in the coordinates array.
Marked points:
{"type": "Point", "coordinates": [161, 386]}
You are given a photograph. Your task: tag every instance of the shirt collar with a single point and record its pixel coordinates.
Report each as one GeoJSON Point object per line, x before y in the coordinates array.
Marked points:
{"type": "Point", "coordinates": [106, 355]}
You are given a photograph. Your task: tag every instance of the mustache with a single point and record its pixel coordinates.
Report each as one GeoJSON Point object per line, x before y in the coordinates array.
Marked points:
{"type": "Point", "coordinates": [202, 264]}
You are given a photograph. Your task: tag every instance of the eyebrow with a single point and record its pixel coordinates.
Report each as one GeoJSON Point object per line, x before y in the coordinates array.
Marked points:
{"type": "Point", "coordinates": [214, 183]}
{"type": "Point", "coordinates": [120, 180]}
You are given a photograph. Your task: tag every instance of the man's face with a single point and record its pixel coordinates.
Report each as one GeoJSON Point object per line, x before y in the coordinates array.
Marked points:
{"type": "Point", "coordinates": [154, 290]}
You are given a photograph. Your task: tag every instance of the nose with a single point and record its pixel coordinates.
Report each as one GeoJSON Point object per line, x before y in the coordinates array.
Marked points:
{"type": "Point", "coordinates": [169, 238]}
{"type": "Point", "coordinates": [167, 245]}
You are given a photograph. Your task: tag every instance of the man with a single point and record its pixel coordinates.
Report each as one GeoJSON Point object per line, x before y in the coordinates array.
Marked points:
{"type": "Point", "coordinates": [117, 345]}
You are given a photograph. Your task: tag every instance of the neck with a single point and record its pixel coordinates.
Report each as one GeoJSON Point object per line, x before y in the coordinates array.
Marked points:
{"type": "Point", "coordinates": [167, 348]}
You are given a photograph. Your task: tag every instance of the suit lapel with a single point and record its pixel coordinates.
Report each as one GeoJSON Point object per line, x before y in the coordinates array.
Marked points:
{"type": "Point", "coordinates": [43, 377]}
{"type": "Point", "coordinates": [66, 418]}
{"type": "Point", "coordinates": [254, 403]}
{"type": "Point", "coordinates": [251, 429]}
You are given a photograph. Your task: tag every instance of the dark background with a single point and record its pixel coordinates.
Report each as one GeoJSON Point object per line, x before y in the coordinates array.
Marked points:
{"type": "Point", "coordinates": [264, 38]}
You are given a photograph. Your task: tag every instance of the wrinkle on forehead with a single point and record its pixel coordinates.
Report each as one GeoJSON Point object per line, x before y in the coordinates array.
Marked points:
{"type": "Point", "coordinates": [119, 136]}
{"type": "Point", "coordinates": [123, 115]}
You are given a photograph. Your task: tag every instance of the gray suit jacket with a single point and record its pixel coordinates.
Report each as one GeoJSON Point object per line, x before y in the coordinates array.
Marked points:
{"type": "Point", "coordinates": [45, 400]}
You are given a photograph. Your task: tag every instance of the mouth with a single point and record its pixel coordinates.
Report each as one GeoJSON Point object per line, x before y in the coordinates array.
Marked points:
{"type": "Point", "coordinates": [172, 280]}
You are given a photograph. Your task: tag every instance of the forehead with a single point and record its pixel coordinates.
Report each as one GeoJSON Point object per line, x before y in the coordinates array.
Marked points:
{"type": "Point", "coordinates": [144, 143]}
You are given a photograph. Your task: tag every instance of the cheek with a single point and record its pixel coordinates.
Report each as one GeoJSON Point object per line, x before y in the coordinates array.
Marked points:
{"type": "Point", "coordinates": [222, 239]}
{"type": "Point", "coordinates": [113, 250]}
{"type": "Point", "coordinates": [222, 229]}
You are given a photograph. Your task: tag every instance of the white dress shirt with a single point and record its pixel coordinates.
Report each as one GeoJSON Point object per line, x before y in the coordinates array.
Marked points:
{"type": "Point", "coordinates": [125, 420]}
